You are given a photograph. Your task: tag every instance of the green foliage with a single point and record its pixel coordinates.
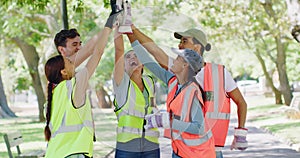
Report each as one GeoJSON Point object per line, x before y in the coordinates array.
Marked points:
{"type": "Point", "coordinates": [226, 24]}
{"type": "Point", "coordinates": [22, 84]}
{"type": "Point", "coordinates": [34, 4]}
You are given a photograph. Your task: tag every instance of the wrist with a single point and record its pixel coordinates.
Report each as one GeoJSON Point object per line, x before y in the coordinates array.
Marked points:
{"type": "Point", "coordinates": [133, 27]}
{"type": "Point", "coordinates": [240, 132]}
{"type": "Point", "coordinates": [241, 128]}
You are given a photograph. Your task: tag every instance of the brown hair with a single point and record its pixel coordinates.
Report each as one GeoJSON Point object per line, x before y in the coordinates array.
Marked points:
{"type": "Point", "coordinates": [52, 70]}
{"type": "Point", "coordinates": [62, 36]}
{"type": "Point", "coordinates": [207, 47]}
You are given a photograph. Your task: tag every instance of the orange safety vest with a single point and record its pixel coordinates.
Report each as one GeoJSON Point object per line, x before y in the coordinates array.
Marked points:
{"type": "Point", "coordinates": [185, 144]}
{"type": "Point", "coordinates": [216, 102]}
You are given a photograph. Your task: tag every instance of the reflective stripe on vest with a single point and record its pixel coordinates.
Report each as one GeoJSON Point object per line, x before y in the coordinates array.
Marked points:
{"type": "Point", "coordinates": [186, 144]}
{"type": "Point", "coordinates": [193, 142]}
{"type": "Point", "coordinates": [186, 95]}
{"type": "Point", "coordinates": [217, 72]}
{"type": "Point", "coordinates": [131, 110]}
{"type": "Point", "coordinates": [137, 131]}
{"type": "Point", "coordinates": [172, 87]}
{"type": "Point", "coordinates": [131, 115]}
{"type": "Point", "coordinates": [131, 99]}
{"type": "Point", "coordinates": [71, 128]}
{"type": "Point", "coordinates": [217, 104]}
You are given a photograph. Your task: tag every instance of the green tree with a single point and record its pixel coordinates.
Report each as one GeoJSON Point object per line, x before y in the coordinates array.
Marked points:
{"type": "Point", "coordinates": [261, 25]}
{"type": "Point", "coordinates": [37, 25]}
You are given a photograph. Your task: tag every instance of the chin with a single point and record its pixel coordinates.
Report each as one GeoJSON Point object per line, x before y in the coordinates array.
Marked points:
{"type": "Point", "coordinates": [172, 70]}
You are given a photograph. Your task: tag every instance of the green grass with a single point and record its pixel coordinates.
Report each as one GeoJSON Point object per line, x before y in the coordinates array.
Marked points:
{"type": "Point", "coordinates": [263, 108]}
{"type": "Point", "coordinates": [105, 125]}
{"type": "Point", "coordinates": [272, 118]}
{"type": "Point", "coordinates": [267, 117]}
{"type": "Point", "coordinates": [32, 131]}
{"type": "Point", "coordinates": [276, 128]}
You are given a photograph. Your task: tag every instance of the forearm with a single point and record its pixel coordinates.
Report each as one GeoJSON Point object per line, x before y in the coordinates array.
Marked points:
{"type": "Point", "coordinates": [239, 100]}
{"type": "Point", "coordinates": [151, 47]}
{"type": "Point", "coordinates": [119, 59]}
{"type": "Point", "coordinates": [100, 42]}
{"type": "Point", "coordinates": [85, 52]}
{"type": "Point", "coordinates": [149, 63]}
{"type": "Point", "coordinates": [242, 114]}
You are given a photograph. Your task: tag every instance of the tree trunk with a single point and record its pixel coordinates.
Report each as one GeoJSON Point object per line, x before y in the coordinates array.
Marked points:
{"type": "Point", "coordinates": [5, 111]}
{"type": "Point", "coordinates": [281, 67]}
{"type": "Point", "coordinates": [32, 59]}
{"type": "Point", "coordinates": [269, 80]}
{"type": "Point", "coordinates": [104, 100]}
{"type": "Point", "coordinates": [281, 57]}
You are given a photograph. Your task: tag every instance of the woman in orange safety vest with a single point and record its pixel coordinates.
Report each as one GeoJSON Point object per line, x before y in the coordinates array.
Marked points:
{"type": "Point", "coordinates": [191, 137]}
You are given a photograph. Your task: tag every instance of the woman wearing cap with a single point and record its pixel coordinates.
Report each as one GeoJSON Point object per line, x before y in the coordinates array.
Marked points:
{"type": "Point", "coordinates": [190, 135]}
{"type": "Point", "coordinates": [211, 77]}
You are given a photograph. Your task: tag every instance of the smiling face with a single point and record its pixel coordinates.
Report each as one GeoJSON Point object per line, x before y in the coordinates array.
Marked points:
{"type": "Point", "coordinates": [132, 64]}
{"type": "Point", "coordinates": [73, 45]}
{"type": "Point", "coordinates": [178, 65]}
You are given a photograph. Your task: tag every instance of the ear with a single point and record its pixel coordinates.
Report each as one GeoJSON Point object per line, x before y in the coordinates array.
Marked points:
{"type": "Point", "coordinates": [61, 49]}
{"type": "Point", "coordinates": [63, 72]}
{"type": "Point", "coordinates": [197, 48]}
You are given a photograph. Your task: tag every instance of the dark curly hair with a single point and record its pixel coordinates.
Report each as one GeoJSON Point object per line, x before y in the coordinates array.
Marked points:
{"type": "Point", "coordinates": [61, 37]}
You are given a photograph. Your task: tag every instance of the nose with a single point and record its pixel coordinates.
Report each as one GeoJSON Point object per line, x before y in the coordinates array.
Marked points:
{"type": "Point", "coordinates": [79, 47]}
{"type": "Point", "coordinates": [180, 46]}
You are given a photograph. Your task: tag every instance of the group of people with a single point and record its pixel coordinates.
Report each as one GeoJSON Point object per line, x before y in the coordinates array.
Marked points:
{"type": "Point", "coordinates": [197, 107]}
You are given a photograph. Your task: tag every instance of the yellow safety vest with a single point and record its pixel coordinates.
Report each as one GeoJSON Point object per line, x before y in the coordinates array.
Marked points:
{"type": "Point", "coordinates": [72, 129]}
{"type": "Point", "coordinates": [131, 115]}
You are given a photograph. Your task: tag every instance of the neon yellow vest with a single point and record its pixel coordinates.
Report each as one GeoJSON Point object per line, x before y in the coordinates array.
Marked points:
{"type": "Point", "coordinates": [71, 129]}
{"type": "Point", "coordinates": [131, 115]}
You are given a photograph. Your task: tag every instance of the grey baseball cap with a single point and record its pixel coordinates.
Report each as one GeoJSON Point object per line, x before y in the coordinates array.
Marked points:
{"type": "Point", "coordinates": [190, 56]}
{"type": "Point", "coordinates": [198, 34]}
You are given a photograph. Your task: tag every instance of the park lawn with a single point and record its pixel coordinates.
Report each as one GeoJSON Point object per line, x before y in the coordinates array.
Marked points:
{"type": "Point", "coordinates": [269, 117]}
{"type": "Point", "coordinates": [31, 129]}
{"type": "Point", "coordinates": [33, 135]}
{"type": "Point", "coordinates": [273, 119]}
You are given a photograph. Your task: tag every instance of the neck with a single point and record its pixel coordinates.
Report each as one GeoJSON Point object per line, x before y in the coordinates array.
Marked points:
{"type": "Point", "coordinates": [185, 76]}
{"type": "Point", "coordinates": [137, 79]}
{"type": "Point", "coordinates": [182, 77]}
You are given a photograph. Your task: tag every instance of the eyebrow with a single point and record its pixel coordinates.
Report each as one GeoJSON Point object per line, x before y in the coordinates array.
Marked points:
{"type": "Point", "coordinates": [76, 42]}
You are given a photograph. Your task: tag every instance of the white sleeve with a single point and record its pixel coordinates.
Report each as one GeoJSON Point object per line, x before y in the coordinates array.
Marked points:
{"type": "Point", "coordinates": [81, 87]}
{"type": "Point", "coordinates": [230, 84]}
{"type": "Point", "coordinates": [200, 78]}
